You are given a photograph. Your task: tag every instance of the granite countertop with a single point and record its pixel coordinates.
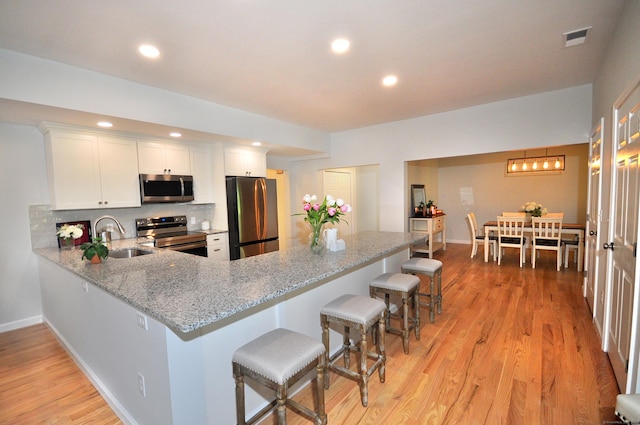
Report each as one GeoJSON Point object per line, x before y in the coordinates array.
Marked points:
{"type": "Point", "coordinates": [187, 292]}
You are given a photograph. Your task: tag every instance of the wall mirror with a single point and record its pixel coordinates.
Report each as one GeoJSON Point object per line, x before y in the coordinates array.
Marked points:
{"type": "Point", "coordinates": [417, 195]}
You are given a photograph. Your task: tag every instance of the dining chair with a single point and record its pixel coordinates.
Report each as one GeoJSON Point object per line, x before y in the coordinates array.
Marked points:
{"type": "Point", "coordinates": [511, 235]}
{"type": "Point", "coordinates": [547, 235]}
{"type": "Point", "coordinates": [477, 237]}
{"type": "Point", "coordinates": [570, 245]}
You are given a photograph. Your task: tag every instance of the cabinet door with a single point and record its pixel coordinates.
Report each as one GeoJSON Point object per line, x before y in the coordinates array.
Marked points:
{"type": "Point", "coordinates": [202, 171]}
{"type": "Point", "coordinates": [163, 158]}
{"type": "Point", "coordinates": [218, 246]}
{"type": "Point", "coordinates": [257, 164]}
{"type": "Point", "coordinates": [245, 162]}
{"type": "Point", "coordinates": [151, 158]}
{"type": "Point", "coordinates": [177, 159]}
{"type": "Point", "coordinates": [119, 172]}
{"type": "Point", "coordinates": [73, 170]}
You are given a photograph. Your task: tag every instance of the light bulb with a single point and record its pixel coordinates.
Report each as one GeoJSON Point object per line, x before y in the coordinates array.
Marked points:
{"type": "Point", "coordinates": [514, 167]}
{"type": "Point", "coordinates": [557, 162]}
{"type": "Point", "coordinates": [545, 165]}
{"type": "Point", "coordinates": [535, 165]}
{"type": "Point", "coordinates": [524, 166]}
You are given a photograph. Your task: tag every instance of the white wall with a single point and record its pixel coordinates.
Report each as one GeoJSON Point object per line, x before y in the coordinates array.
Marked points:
{"type": "Point", "coordinates": [562, 117]}
{"type": "Point", "coordinates": [23, 182]}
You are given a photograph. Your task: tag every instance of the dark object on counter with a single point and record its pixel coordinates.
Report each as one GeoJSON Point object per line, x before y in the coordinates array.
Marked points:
{"type": "Point", "coordinates": [253, 216]}
{"type": "Point", "coordinates": [86, 231]}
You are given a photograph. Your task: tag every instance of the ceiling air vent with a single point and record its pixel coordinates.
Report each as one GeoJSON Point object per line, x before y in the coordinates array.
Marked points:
{"type": "Point", "coordinates": [573, 38]}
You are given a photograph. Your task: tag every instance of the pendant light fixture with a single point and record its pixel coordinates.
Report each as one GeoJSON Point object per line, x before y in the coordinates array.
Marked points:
{"type": "Point", "coordinates": [531, 165]}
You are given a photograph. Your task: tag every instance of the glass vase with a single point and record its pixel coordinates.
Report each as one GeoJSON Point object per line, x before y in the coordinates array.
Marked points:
{"type": "Point", "coordinates": [316, 240]}
{"type": "Point", "coordinates": [67, 243]}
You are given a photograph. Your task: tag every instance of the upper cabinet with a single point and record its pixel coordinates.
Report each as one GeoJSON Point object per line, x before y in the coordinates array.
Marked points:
{"type": "Point", "coordinates": [163, 158]}
{"type": "Point", "coordinates": [202, 170]}
{"type": "Point", "coordinates": [91, 171]}
{"type": "Point", "coordinates": [248, 162]}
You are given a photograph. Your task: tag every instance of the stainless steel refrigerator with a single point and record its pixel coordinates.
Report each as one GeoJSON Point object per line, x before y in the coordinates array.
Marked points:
{"type": "Point", "coordinates": [253, 216]}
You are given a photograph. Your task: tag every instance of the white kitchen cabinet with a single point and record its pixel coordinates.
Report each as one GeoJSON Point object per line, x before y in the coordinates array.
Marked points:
{"type": "Point", "coordinates": [248, 162]}
{"type": "Point", "coordinates": [218, 246]}
{"type": "Point", "coordinates": [202, 171]}
{"type": "Point", "coordinates": [163, 158]}
{"type": "Point", "coordinates": [91, 171]}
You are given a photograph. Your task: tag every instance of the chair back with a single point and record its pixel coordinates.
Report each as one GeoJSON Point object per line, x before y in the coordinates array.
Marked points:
{"type": "Point", "coordinates": [474, 223]}
{"type": "Point", "coordinates": [547, 231]}
{"type": "Point", "coordinates": [511, 231]}
{"type": "Point", "coordinates": [473, 231]}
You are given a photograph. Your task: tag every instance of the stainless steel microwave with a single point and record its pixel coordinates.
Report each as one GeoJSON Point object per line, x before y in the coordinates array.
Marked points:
{"type": "Point", "coordinates": [157, 188]}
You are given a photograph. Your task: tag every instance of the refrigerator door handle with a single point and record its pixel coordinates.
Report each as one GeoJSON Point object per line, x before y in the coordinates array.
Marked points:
{"type": "Point", "coordinates": [262, 227]}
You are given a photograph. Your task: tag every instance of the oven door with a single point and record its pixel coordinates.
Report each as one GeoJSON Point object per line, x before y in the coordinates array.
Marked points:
{"type": "Point", "coordinates": [195, 248]}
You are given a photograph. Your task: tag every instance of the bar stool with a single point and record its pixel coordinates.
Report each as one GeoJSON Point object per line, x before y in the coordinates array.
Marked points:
{"type": "Point", "coordinates": [277, 360]}
{"type": "Point", "coordinates": [628, 408]}
{"type": "Point", "coordinates": [433, 269]}
{"type": "Point", "coordinates": [406, 287]}
{"type": "Point", "coordinates": [362, 313]}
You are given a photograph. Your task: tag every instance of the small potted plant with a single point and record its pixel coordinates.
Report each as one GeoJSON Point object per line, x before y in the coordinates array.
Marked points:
{"type": "Point", "coordinates": [94, 251]}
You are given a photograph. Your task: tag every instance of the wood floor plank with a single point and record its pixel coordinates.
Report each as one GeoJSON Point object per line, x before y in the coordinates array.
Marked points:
{"type": "Point", "coordinates": [512, 346]}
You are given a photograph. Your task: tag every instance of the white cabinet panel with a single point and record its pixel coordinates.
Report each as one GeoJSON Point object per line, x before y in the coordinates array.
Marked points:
{"type": "Point", "coordinates": [218, 246]}
{"type": "Point", "coordinates": [202, 171]}
{"type": "Point", "coordinates": [163, 158]}
{"type": "Point", "coordinates": [119, 172]}
{"type": "Point", "coordinates": [245, 162]}
{"type": "Point", "coordinates": [90, 171]}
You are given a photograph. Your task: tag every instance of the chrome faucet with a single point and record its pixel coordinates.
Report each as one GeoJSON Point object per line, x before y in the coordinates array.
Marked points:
{"type": "Point", "coordinates": [95, 226]}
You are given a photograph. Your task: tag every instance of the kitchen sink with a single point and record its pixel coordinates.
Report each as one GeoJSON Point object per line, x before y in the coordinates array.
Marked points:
{"type": "Point", "coordinates": [128, 253]}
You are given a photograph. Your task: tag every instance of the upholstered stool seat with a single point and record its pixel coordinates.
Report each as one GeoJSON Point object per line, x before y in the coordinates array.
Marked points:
{"type": "Point", "coordinates": [364, 314]}
{"type": "Point", "coordinates": [277, 360]}
{"type": "Point", "coordinates": [628, 408]}
{"type": "Point", "coordinates": [406, 287]}
{"type": "Point", "coordinates": [433, 269]}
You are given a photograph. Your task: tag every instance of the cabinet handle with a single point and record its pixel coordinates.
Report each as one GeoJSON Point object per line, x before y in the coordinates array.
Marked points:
{"type": "Point", "coordinates": [106, 202]}
{"type": "Point", "coordinates": [592, 233]}
{"type": "Point", "coordinates": [608, 246]}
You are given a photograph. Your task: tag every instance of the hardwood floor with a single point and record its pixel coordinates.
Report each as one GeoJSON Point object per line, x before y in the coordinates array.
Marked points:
{"type": "Point", "coordinates": [512, 346]}
{"type": "Point", "coordinates": [41, 384]}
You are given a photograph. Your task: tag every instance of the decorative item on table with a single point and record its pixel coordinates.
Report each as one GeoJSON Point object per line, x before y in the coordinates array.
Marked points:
{"type": "Point", "coordinates": [94, 251]}
{"type": "Point", "coordinates": [317, 214]}
{"type": "Point", "coordinates": [67, 235]}
{"type": "Point", "coordinates": [534, 209]}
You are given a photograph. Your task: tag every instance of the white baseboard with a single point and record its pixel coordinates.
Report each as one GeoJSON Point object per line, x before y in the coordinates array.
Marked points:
{"type": "Point", "coordinates": [18, 324]}
{"type": "Point", "coordinates": [115, 405]}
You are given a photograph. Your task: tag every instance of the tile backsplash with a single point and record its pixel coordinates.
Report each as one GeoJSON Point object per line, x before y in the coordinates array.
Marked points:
{"type": "Point", "coordinates": [43, 220]}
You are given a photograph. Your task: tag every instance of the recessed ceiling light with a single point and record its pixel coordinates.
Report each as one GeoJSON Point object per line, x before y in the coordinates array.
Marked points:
{"type": "Point", "coordinates": [390, 80]}
{"type": "Point", "coordinates": [340, 45]}
{"type": "Point", "coordinates": [256, 143]}
{"type": "Point", "coordinates": [149, 51]}
{"type": "Point", "coordinates": [105, 124]}
{"type": "Point", "coordinates": [175, 134]}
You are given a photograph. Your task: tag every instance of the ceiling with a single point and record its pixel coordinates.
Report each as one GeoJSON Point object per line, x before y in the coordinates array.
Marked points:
{"type": "Point", "coordinates": [273, 57]}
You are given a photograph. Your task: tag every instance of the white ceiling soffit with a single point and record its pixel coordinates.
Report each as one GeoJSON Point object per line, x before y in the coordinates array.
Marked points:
{"type": "Point", "coordinates": [273, 58]}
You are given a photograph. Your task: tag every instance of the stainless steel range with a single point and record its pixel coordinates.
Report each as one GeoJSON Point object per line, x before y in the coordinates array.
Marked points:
{"type": "Point", "coordinates": [171, 233]}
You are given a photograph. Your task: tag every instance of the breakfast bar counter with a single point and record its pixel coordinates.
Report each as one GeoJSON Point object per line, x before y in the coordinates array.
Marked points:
{"type": "Point", "coordinates": [156, 332]}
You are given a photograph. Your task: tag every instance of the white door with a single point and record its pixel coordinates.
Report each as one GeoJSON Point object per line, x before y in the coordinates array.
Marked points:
{"type": "Point", "coordinates": [595, 290]}
{"type": "Point", "coordinates": [622, 246]}
{"type": "Point", "coordinates": [338, 184]}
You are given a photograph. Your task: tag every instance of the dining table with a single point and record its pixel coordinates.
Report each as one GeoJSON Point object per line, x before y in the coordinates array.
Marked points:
{"type": "Point", "coordinates": [574, 229]}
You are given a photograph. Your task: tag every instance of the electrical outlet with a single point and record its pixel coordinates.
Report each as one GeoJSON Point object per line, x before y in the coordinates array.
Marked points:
{"type": "Point", "coordinates": [110, 227]}
{"type": "Point", "coordinates": [85, 286]}
{"type": "Point", "coordinates": [142, 321]}
{"type": "Point", "coordinates": [193, 220]}
{"type": "Point", "coordinates": [142, 389]}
